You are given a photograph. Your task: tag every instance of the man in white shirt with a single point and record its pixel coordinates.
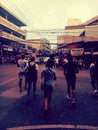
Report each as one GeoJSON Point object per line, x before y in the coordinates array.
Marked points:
{"type": "Point", "coordinates": [23, 64]}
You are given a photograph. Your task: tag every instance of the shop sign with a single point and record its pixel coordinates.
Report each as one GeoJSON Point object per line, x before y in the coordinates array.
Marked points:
{"type": "Point", "coordinates": [66, 50]}
{"type": "Point", "coordinates": [77, 51]}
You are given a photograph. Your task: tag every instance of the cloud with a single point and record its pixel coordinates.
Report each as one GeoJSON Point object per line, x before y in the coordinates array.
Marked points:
{"type": "Point", "coordinates": [51, 13]}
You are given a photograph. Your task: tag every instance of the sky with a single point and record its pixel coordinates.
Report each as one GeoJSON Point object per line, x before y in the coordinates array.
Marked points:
{"type": "Point", "coordinates": [51, 14]}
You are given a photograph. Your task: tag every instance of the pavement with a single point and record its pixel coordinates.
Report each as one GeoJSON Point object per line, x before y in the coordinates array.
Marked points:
{"type": "Point", "coordinates": [16, 114]}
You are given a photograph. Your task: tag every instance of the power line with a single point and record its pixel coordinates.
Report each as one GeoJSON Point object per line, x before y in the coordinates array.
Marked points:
{"type": "Point", "coordinates": [24, 11]}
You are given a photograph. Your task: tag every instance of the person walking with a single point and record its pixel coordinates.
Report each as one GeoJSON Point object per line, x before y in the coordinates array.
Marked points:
{"type": "Point", "coordinates": [70, 70]}
{"type": "Point", "coordinates": [48, 76]}
{"type": "Point", "coordinates": [23, 64]}
{"type": "Point", "coordinates": [94, 75]}
{"type": "Point", "coordinates": [32, 76]}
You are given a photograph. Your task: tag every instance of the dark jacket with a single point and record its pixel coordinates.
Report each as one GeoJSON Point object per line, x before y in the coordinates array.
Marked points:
{"type": "Point", "coordinates": [70, 70]}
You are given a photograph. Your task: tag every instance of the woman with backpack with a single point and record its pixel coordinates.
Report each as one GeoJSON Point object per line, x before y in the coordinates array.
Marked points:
{"type": "Point", "coordinates": [48, 76]}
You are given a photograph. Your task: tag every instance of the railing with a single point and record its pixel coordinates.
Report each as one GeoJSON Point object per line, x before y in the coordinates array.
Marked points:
{"type": "Point", "coordinates": [11, 26]}
{"type": "Point", "coordinates": [11, 37]}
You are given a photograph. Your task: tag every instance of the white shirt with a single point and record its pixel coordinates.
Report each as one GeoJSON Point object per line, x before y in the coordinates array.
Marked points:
{"type": "Point", "coordinates": [92, 65]}
{"type": "Point", "coordinates": [23, 64]}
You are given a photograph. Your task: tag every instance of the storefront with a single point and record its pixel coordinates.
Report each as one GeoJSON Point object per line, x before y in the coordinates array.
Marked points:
{"type": "Point", "coordinates": [6, 54]}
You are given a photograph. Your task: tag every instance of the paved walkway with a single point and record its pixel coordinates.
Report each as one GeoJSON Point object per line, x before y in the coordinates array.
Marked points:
{"type": "Point", "coordinates": [15, 114]}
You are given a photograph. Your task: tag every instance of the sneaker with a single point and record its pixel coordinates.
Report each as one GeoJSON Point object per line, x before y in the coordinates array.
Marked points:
{"type": "Point", "coordinates": [95, 91]}
{"type": "Point", "coordinates": [73, 100]}
{"type": "Point", "coordinates": [73, 103]}
{"type": "Point", "coordinates": [68, 97]}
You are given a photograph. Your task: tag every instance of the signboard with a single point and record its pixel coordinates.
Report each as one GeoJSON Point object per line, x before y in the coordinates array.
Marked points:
{"type": "Point", "coordinates": [77, 51]}
{"type": "Point", "coordinates": [66, 50]}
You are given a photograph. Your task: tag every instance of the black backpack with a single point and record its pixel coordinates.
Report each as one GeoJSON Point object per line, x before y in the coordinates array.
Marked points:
{"type": "Point", "coordinates": [32, 72]}
{"type": "Point", "coordinates": [31, 68]}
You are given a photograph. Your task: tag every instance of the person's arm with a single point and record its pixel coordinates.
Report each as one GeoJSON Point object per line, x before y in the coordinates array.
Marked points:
{"type": "Point", "coordinates": [76, 68]}
{"type": "Point", "coordinates": [55, 78]}
{"type": "Point", "coordinates": [42, 81]}
{"type": "Point", "coordinates": [18, 64]}
{"type": "Point", "coordinates": [26, 67]}
{"type": "Point", "coordinates": [65, 71]}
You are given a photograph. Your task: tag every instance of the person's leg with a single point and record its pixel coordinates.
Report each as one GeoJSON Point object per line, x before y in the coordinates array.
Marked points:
{"type": "Point", "coordinates": [49, 95]}
{"type": "Point", "coordinates": [26, 82]}
{"type": "Point", "coordinates": [93, 83]}
{"type": "Point", "coordinates": [45, 100]}
{"type": "Point", "coordinates": [20, 84]}
{"type": "Point", "coordinates": [97, 84]}
{"type": "Point", "coordinates": [29, 88]}
{"type": "Point", "coordinates": [20, 81]}
{"type": "Point", "coordinates": [34, 88]}
{"type": "Point", "coordinates": [68, 88]}
{"type": "Point", "coordinates": [73, 91]}
{"type": "Point", "coordinates": [46, 103]}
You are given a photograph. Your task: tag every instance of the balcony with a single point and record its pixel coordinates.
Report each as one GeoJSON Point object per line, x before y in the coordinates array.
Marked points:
{"type": "Point", "coordinates": [11, 26]}
{"type": "Point", "coordinates": [11, 37]}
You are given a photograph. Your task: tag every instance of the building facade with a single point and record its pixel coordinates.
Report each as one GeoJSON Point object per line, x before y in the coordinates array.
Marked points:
{"type": "Point", "coordinates": [81, 42]}
{"type": "Point", "coordinates": [40, 46]}
{"type": "Point", "coordinates": [86, 32]}
{"type": "Point", "coordinates": [12, 37]}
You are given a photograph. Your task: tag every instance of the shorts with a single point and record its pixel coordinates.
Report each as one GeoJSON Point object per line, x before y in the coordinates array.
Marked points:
{"type": "Point", "coordinates": [21, 75]}
{"type": "Point", "coordinates": [48, 91]}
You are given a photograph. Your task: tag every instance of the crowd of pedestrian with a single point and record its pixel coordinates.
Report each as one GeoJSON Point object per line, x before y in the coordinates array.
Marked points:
{"type": "Point", "coordinates": [29, 71]}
